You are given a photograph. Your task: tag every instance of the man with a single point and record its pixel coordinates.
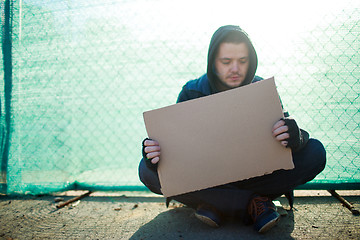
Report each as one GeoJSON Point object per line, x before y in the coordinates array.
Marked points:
{"type": "Point", "coordinates": [232, 63]}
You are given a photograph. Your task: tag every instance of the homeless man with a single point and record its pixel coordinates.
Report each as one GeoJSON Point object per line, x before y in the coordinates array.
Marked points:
{"type": "Point", "coordinates": [232, 63]}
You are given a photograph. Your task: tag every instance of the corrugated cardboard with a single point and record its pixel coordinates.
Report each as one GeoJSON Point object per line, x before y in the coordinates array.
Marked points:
{"type": "Point", "coordinates": [218, 139]}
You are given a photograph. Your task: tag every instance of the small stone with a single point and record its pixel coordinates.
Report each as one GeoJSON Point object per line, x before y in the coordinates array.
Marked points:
{"type": "Point", "coordinates": [135, 206]}
{"type": "Point", "coordinates": [58, 199]}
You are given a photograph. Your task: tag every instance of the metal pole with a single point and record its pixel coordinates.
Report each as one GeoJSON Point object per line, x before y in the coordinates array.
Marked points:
{"type": "Point", "coordinates": [7, 60]}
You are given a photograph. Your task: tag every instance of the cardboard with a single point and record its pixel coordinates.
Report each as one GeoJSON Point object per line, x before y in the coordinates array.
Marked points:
{"type": "Point", "coordinates": [218, 139]}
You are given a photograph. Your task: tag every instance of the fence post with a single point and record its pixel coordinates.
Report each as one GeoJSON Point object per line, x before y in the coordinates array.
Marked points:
{"type": "Point", "coordinates": [7, 61]}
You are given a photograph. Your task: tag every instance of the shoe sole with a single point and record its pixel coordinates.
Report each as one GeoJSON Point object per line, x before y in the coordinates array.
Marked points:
{"type": "Point", "coordinates": [269, 225]}
{"type": "Point", "coordinates": [207, 220]}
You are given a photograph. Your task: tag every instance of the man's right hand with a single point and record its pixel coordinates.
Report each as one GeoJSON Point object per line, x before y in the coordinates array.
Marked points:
{"type": "Point", "coordinates": [152, 150]}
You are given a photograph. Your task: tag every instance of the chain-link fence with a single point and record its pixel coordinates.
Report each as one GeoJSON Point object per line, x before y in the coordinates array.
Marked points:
{"type": "Point", "coordinates": [83, 72]}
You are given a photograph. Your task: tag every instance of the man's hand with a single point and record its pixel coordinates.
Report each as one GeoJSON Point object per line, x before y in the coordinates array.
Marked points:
{"type": "Point", "coordinates": [152, 150]}
{"type": "Point", "coordinates": [287, 132]}
{"type": "Point", "coordinates": [280, 132]}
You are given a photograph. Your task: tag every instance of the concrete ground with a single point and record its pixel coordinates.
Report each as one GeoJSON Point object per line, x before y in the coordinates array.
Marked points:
{"type": "Point", "coordinates": [142, 215]}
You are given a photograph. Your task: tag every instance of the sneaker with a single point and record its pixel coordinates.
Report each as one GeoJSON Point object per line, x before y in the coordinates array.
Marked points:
{"type": "Point", "coordinates": [208, 215]}
{"type": "Point", "coordinates": [263, 213]}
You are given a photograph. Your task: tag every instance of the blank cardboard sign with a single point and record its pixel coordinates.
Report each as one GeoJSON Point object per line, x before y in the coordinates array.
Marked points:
{"type": "Point", "coordinates": [218, 139]}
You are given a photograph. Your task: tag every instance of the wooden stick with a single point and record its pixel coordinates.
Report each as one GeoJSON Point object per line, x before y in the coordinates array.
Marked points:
{"type": "Point", "coordinates": [73, 200]}
{"type": "Point", "coordinates": [344, 202]}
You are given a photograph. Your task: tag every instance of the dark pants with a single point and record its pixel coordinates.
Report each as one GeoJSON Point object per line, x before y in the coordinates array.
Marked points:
{"type": "Point", "coordinates": [232, 199]}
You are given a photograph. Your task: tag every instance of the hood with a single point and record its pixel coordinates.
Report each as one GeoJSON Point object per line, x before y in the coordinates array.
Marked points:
{"type": "Point", "coordinates": [216, 40]}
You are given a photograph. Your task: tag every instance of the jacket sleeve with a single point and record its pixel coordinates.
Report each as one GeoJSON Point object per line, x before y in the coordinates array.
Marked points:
{"type": "Point", "coordinates": [189, 94]}
{"type": "Point", "coordinates": [183, 95]}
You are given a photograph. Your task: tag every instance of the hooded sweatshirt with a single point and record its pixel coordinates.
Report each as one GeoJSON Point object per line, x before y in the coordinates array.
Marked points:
{"type": "Point", "coordinates": [209, 83]}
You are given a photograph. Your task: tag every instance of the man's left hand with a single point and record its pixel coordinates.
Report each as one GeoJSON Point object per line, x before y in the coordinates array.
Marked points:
{"type": "Point", "coordinates": [280, 132]}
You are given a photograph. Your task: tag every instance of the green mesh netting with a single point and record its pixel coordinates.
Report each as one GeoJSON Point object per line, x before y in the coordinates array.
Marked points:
{"type": "Point", "coordinates": [84, 71]}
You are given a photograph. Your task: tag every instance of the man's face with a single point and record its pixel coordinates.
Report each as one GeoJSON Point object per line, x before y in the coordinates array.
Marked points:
{"type": "Point", "coordinates": [232, 63]}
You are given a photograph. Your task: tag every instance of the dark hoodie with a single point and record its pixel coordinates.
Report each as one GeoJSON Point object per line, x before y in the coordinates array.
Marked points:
{"type": "Point", "coordinates": [209, 83]}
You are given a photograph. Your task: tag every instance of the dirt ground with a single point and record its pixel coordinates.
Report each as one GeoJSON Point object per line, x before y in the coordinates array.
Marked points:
{"type": "Point", "coordinates": [142, 215]}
